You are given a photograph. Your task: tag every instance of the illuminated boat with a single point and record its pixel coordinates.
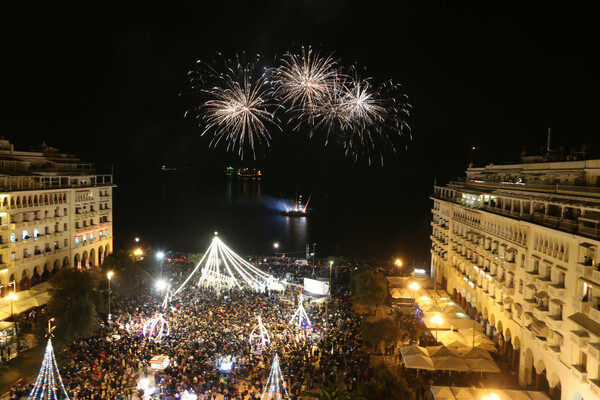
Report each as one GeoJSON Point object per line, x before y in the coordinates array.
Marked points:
{"type": "Point", "coordinates": [299, 210]}
{"type": "Point", "coordinates": [249, 173]}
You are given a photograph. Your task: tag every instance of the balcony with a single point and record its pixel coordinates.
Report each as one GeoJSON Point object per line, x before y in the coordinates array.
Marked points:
{"type": "Point", "coordinates": [595, 314]}
{"type": "Point", "coordinates": [554, 322]}
{"type": "Point", "coordinates": [540, 313]}
{"type": "Point", "coordinates": [594, 350]}
{"type": "Point", "coordinates": [584, 270]}
{"type": "Point", "coordinates": [595, 386]}
{"type": "Point", "coordinates": [580, 338]}
{"type": "Point", "coordinates": [579, 372]}
{"type": "Point", "coordinates": [541, 284]}
{"type": "Point", "coordinates": [596, 275]}
{"type": "Point", "coordinates": [529, 305]}
{"type": "Point", "coordinates": [531, 276]}
{"type": "Point", "coordinates": [557, 290]}
{"type": "Point", "coordinates": [580, 305]}
{"type": "Point", "coordinates": [555, 351]}
{"type": "Point", "coordinates": [508, 289]}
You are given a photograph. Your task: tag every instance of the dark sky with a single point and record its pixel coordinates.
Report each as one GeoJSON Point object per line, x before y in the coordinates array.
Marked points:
{"type": "Point", "coordinates": [104, 81]}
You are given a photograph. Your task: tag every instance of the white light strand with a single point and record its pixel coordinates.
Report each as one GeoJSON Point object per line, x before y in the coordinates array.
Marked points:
{"type": "Point", "coordinates": [273, 388]}
{"type": "Point", "coordinates": [301, 316]}
{"type": "Point", "coordinates": [259, 337]}
{"type": "Point", "coordinates": [156, 328]}
{"type": "Point", "coordinates": [220, 268]}
{"type": "Point", "coordinates": [45, 384]}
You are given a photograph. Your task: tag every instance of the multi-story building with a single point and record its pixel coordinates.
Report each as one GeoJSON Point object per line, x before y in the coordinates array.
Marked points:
{"type": "Point", "coordinates": [55, 212]}
{"type": "Point", "coordinates": [517, 245]}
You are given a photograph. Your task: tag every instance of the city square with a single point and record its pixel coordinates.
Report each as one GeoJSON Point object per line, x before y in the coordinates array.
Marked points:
{"type": "Point", "coordinates": [299, 200]}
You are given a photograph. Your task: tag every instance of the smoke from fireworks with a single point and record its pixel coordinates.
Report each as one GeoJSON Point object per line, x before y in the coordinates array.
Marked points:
{"type": "Point", "coordinates": [317, 93]}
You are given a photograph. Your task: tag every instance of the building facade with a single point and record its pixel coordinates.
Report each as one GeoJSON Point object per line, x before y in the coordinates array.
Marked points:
{"type": "Point", "coordinates": [517, 246]}
{"type": "Point", "coordinates": [55, 212]}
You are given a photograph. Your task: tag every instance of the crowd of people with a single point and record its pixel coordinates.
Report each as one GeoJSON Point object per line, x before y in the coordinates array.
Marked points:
{"type": "Point", "coordinates": [207, 327]}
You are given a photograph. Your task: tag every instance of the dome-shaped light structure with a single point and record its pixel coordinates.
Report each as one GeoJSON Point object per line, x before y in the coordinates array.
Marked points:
{"type": "Point", "coordinates": [259, 337]}
{"type": "Point", "coordinates": [220, 268]}
{"type": "Point", "coordinates": [156, 328]}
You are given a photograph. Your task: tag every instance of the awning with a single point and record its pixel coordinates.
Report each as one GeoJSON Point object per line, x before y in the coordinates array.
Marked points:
{"type": "Point", "coordinates": [586, 323]}
{"type": "Point", "coordinates": [557, 301]}
{"type": "Point", "coordinates": [587, 245]}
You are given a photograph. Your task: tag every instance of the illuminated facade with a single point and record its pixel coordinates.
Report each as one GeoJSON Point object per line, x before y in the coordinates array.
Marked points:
{"type": "Point", "coordinates": [55, 212]}
{"type": "Point", "coordinates": [517, 245]}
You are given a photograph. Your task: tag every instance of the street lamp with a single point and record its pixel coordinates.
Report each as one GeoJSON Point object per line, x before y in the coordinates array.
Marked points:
{"type": "Point", "coordinates": [12, 297]}
{"type": "Point", "coordinates": [160, 255]}
{"type": "Point", "coordinates": [109, 276]}
{"type": "Point", "coordinates": [398, 262]}
{"type": "Point", "coordinates": [438, 321]}
{"type": "Point", "coordinates": [413, 287]}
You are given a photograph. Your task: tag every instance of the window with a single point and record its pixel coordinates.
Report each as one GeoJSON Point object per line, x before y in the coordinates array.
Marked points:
{"type": "Point", "coordinates": [36, 232]}
{"type": "Point", "coordinates": [13, 237]}
{"type": "Point", "coordinates": [100, 233]}
{"type": "Point", "coordinates": [25, 235]}
{"type": "Point", "coordinates": [12, 256]}
{"type": "Point", "coordinates": [521, 286]}
{"type": "Point", "coordinates": [84, 238]}
{"type": "Point", "coordinates": [64, 227]}
{"type": "Point", "coordinates": [106, 232]}
{"type": "Point", "coordinates": [76, 239]}
{"type": "Point", "coordinates": [66, 242]}
{"type": "Point", "coordinates": [92, 236]}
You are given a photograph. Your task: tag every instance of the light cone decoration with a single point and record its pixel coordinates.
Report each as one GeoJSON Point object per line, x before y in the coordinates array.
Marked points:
{"type": "Point", "coordinates": [275, 387]}
{"type": "Point", "coordinates": [259, 337]}
{"type": "Point", "coordinates": [301, 316]}
{"type": "Point", "coordinates": [220, 268]}
{"type": "Point", "coordinates": [45, 386]}
{"type": "Point", "coordinates": [165, 302]}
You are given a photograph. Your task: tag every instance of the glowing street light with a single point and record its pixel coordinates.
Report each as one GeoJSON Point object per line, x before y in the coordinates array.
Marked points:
{"type": "Point", "coordinates": [438, 321]}
{"type": "Point", "coordinates": [276, 245]}
{"type": "Point", "coordinates": [109, 275]}
{"type": "Point", "coordinates": [161, 284]}
{"type": "Point", "coordinates": [413, 287]}
{"type": "Point", "coordinates": [398, 262]}
{"type": "Point", "coordinates": [138, 252]}
{"type": "Point", "coordinates": [137, 239]}
{"type": "Point", "coordinates": [12, 297]}
{"type": "Point", "coordinates": [160, 255]}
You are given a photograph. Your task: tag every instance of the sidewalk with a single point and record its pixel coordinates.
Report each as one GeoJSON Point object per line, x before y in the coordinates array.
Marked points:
{"type": "Point", "coordinates": [27, 365]}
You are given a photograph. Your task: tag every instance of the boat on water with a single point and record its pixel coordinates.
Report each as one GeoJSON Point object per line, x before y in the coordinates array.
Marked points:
{"type": "Point", "coordinates": [249, 173]}
{"type": "Point", "coordinates": [299, 209]}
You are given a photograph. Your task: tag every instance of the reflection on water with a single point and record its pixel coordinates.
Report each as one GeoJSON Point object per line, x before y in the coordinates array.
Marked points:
{"type": "Point", "coordinates": [247, 214]}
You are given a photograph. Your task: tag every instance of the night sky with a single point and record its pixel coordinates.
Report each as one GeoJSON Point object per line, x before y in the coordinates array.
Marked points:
{"type": "Point", "coordinates": [105, 82]}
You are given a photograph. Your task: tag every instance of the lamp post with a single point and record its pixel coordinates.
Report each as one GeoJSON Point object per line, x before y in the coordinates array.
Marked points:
{"type": "Point", "coordinates": [329, 294]}
{"type": "Point", "coordinates": [109, 276]}
{"type": "Point", "coordinates": [438, 321]}
{"type": "Point", "coordinates": [160, 256]}
{"type": "Point", "coordinates": [12, 297]}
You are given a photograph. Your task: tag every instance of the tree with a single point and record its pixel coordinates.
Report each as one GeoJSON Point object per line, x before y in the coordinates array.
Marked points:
{"type": "Point", "coordinates": [74, 303]}
{"type": "Point", "coordinates": [329, 391]}
{"type": "Point", "coordinates": [128, 273]}
{"type": "Point", "coordinates": [380, 331]}
{"type": "Point", "coordinates": [194, 258]}
{"type": "Point", "coordinates": [386, 386]}
{"type": "Point", "coordinates": [369, 286]}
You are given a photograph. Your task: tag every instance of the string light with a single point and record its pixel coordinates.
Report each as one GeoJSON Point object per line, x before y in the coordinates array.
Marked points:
{"type": "Point", "coordinates": [45, 385]}
{"type": "Point", "coordinates": [301, 316]}
{"type": "Point", "coordinates": [259, 336]}
{"type": "Point", "coordinates": [273, 388]}
{"type": "Point", "coordinates": [155, 328]}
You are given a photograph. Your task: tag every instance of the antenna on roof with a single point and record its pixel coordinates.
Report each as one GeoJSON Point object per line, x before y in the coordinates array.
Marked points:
{"type": "Point", "coordinates": [548, 143]}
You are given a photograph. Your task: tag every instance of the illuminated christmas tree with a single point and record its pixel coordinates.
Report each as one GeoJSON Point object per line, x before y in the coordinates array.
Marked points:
{"type": "Point", "coordinates": [45, 387]}
{"type": "Point", "coordinates": [275, 384]}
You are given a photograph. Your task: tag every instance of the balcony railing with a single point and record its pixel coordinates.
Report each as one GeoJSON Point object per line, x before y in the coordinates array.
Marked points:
{"type": "Point", "coordinates": [580, 305]}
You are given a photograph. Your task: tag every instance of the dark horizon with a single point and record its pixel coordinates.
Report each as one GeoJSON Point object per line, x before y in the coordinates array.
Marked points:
{"type": "Point", "coordinates": [108, 83]}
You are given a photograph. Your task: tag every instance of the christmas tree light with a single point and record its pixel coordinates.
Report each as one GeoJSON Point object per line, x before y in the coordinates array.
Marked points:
{"type": "Point", "coordinates": [155, 328]}
{"type": "Point", "coordinates": [45, 385]}
{"type": "Point", "coordinates": [220, 268]}
{"type": "Point", "coordinates": [301, 316]}
{"type": "Point", "coordinates": [275, 384]}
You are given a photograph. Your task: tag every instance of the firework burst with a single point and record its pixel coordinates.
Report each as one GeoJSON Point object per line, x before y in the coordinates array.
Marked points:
{"type": "Point", "coordinates": [239, 108]}
{"type": "Point", "coordinates": [305, 81]}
